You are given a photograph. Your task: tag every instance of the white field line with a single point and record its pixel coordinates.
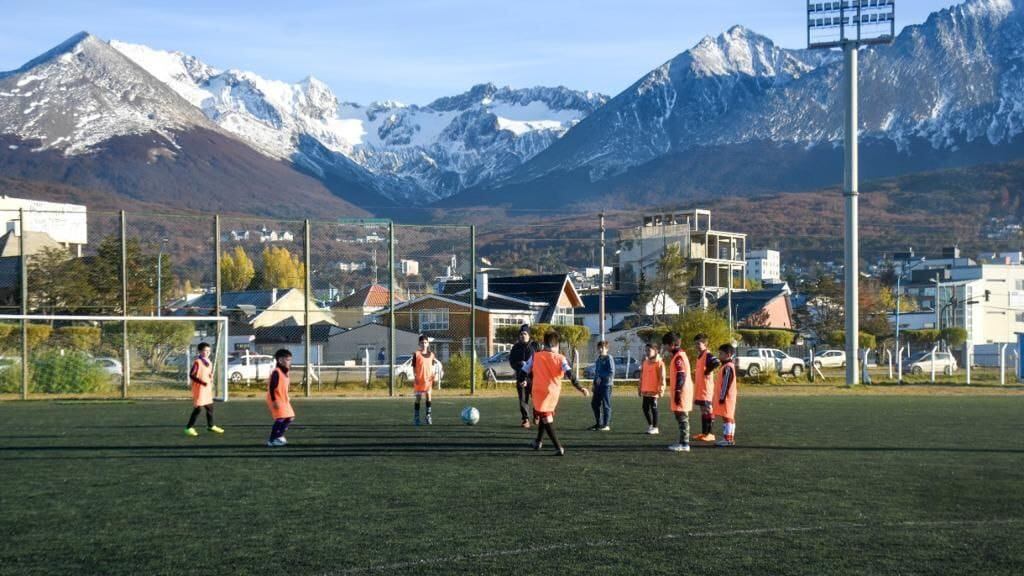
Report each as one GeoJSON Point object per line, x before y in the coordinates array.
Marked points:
{"type": "Point", "coordinates": [578, 545]}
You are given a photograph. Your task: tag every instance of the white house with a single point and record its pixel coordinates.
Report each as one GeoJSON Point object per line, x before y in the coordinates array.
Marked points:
{"type": "Point", "coordinates": [619, 307]}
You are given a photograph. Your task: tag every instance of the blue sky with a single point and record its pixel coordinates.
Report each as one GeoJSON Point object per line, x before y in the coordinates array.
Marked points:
{"type": "Point", "coordinates": [416, 50]}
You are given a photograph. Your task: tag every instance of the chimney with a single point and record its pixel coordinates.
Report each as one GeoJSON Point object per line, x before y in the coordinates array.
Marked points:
{"type": "Point", "coordinates": [482, 287]}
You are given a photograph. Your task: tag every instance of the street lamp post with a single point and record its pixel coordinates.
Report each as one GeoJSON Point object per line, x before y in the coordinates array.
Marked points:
{"type": "Point", "coordinates": [848, 25]}
{"type": "Point", "coordinates": [899, 296]}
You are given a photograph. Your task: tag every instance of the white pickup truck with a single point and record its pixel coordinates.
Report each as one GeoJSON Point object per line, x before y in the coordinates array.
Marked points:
{"type": "Point", "coordinates": [754, 361]}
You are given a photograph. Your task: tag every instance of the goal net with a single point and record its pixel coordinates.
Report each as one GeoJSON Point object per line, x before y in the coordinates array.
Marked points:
{"type": "Point", "coordinates": [45, 356]}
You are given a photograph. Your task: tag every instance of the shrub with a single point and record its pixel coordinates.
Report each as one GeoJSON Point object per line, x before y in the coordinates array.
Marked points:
{"type": "Point", "coordinates": [921, 337]}
{"type": "Point", "coordinates": [75, 372]}
{"type": "Point", "coordinates": [954, 336]}
{"type": "Point", "coordinates": [457, 371]}
{"type": "Point", "coordinates": [10, 378]}
{"type": "Point", "coordinates": [84, 338]}
{"type": "Point", "coordinates": [838, 338]}
{"type": "Point", "coordinates": [767, 338]}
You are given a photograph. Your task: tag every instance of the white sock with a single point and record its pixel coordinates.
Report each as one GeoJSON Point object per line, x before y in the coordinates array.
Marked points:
{"type": "Point", "coordinates": [729, 428]}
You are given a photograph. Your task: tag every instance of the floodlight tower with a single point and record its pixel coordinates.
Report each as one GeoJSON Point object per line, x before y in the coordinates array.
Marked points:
{"type": "Point", "coordinates": [850, 24]}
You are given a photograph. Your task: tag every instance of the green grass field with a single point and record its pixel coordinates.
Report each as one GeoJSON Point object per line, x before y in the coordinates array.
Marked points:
{"type": "Point", "coordinates": [840, 484]}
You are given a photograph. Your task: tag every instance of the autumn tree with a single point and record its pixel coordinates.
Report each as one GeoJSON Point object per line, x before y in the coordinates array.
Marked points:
{"type": "Point", "coordinates": [236, 270]}
{"type": "Point", "coordinates": [281, 269]}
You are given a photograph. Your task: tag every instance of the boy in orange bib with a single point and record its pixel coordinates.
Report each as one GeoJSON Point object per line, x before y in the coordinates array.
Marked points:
{"type": "Point", "coordinates": [548, 367]}
{"type": "Point", "coordinates": [704, 387]}
{"type": "Point", "coordinates": [681, 389]}
{"type": "Point", "coordinates": [652, 386]}
{"type": "Point", "coordinates": [726, 391]}
{"type": "Point", "coordinates": [278, 399]}
{"type": "Point", "coordinates": [201, 377]}
{"type": "Point", "coordinates": [424, 372]}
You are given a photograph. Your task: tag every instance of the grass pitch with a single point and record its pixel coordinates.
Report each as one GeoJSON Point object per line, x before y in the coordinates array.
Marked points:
{"type": "Point", "coordinates": [819, 485]}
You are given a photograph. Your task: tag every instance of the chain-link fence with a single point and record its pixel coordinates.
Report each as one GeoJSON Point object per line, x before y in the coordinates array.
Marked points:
{"type": "Point", "coordinates": [350, 298]}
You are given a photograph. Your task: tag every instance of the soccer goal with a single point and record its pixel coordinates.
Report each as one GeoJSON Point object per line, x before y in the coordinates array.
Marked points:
{"type": "Point", "coordinates": [139, 356]}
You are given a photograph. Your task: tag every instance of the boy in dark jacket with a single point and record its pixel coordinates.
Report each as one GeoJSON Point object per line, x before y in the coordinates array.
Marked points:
{"type": "Point", "coordinates": [604, 379]}
{"type": "Point", "coordinates": [521, 353]}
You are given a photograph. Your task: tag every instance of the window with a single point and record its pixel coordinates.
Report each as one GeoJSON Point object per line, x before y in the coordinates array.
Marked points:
{"type": "Point", "coordinates": [563, 316]}
{"type": "Point", "coordinates": [1020, 316]}
{"type": "Point", "coordinates": [1020, 285]}
{"type": "Point", "coordinates": [434, 320]}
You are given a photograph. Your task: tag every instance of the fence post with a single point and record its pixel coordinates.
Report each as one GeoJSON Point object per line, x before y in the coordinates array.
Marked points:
{"type": "Point", "coordinates": [216, 266]}
{"type": "Point", "coordinates": [307, 293]}
{"type": "Point", "coordinates": [601, 288]}
{"type": "Point", "coordinates": [1002, 364]}
{"type": "Point", "coordinates": [391, 308]}
{"type": "Point", "coordinates": [472, 309]}
{"type": "Point", "coordinates": [126, 369]}
{"type": "Point", "coordinates": [23, 274]}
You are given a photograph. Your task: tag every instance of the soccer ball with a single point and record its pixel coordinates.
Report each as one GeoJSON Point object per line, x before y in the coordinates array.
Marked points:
{"type": "Point", "coordinates": [470, 416]}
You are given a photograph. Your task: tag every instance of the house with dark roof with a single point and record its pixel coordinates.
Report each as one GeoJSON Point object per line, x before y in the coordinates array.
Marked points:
{"type": "Point", "coordinates": [260, 308]}
{"type": "Point", "coordinates": [503, 301]}
{"type": "Point", "coordinates": [621, 307]}
{"type": "Point", "coordinates": [10, 285]}
{"type": "Point", "coordinates": [760, 309]}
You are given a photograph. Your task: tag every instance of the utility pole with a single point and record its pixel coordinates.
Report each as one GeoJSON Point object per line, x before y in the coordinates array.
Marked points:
{"type": "Point", "coordinates": [601, 288]}
{"type": "Point", "coordinates": [848, 26]}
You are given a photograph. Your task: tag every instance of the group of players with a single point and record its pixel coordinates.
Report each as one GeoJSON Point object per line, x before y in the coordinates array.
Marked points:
{"type": "Point", "coordinates": [712, 386]}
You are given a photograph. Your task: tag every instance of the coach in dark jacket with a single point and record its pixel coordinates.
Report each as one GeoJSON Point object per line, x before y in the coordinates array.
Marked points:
{"type": "Point", "coordinates": [521, 353]}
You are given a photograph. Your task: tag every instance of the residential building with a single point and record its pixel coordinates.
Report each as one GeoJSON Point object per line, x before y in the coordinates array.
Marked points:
{"type": "Point", "coordinates": [261, 308]}
{"type": "Point", "coordinates": [66, 224]}
{"type": "Point", "coordinates": [408, 268]}
{"type": "Point", "coordinates": [987, 300]}
{"type": "Point", "coordinates": [620, 307]}
{"type": "Point", "coordinates": [764, 266]}
{"type": "Point", "coordinates": [713, 256]}
{"type": "Point", "coordinates": [355, 345]}
{"type": "Point", "coordinates": [768, 308]}
{"type": "Point", "coordinates": [361, 306]}
{"type": "Point", "coordinates": [508, 301]}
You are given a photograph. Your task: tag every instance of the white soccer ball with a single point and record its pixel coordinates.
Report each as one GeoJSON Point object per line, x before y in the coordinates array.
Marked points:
{"type": "Point", "coordinates": [470, 416]}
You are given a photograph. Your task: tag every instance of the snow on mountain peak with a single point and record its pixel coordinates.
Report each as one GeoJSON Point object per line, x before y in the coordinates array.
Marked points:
{"type": "Point", "coordinates": [436, 150]}
{"type": "Point", "coordinates": [83, 92]}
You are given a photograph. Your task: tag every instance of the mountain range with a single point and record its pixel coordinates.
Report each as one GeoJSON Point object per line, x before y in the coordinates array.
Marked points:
{"type": "Point", "coordinates": [734, 115]}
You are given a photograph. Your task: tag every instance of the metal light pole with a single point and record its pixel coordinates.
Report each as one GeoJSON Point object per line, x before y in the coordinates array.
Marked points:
{"type": "Point", "coordinates": [857, 23]}
{"type": "Point", "coordinates": [601, 289]}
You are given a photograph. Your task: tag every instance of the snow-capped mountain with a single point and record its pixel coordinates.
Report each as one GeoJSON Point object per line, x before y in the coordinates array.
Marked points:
{"type": "Point", "coordinates": [84, 115]}
{"type": "Point", "coordinates": [675, 103]}
{"type": "Point", "coordinates": [418, 152]}
{"type": "Point", "coordinates": [81, 93]}
{"type": "Point", "coordinates": [953, 83]}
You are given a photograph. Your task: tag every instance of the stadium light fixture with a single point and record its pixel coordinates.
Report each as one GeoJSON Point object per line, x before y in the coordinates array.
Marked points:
{"type": "Point", "coordinates": [850, 24]}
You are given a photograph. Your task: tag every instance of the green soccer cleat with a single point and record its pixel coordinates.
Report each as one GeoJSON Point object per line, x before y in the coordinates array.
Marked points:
{"type": "Point", "coordinates": [216, 429]}
{"type": "Point", "coordinates": [191, 432]}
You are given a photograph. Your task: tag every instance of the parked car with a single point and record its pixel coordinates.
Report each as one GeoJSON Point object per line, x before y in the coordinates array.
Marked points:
{"type": "Point", "coordinates": [830, 359]}
{"type": "Point", "coordinates": [623, 369]}
{"type": "Point", "coordinates": [251, 367]}
{"type": "Point", "coordinates": [944, 363]}
{"type": "Point", "coordinates": [754, 361]}
{"type": "Point", "coordinates": [497, 368]}
{"type": "Point", "coordinates": [403, 370]}
{"type": "Point", "coordinates": [111, 366]}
